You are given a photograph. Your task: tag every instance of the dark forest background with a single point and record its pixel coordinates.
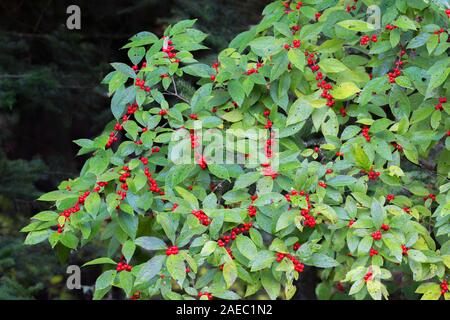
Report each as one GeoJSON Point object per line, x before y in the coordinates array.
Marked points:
{"type": "Point", "coordinates": [50, 95]}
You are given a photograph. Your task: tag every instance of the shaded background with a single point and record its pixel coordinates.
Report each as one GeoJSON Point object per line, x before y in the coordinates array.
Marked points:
{"type": "Point", "coordinates": [50, 95]}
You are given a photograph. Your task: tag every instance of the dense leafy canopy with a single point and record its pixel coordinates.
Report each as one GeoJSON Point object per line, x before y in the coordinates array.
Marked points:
{"type": "Point", "coordinates": [367, 202]}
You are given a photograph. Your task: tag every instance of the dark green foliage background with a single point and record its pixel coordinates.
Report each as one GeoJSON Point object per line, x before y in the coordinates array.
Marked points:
{"type": "Point", "coordinates": [50, 95]}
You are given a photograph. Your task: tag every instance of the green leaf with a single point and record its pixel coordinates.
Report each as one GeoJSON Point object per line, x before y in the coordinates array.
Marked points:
{"type": "Point", "coordinates": [364, 245]}
{"type": "Point", "coordinates": [230, 273]}
{"type": "Point", "coordinates": [297, 58]}
{"type": "Point", "coordinates": [356, 25]}
{"type": "Point", "coordinates": [105, 280]}
{"type": "Point", "coordinates": [219, 171]}
{"type": "Point", "coordinates": [126, 282]}
{"type": "Point", "coordinates": [150, 269]}
{"type": "Point", "coordinates": [136, 54]}
{"type": "Point", "coordinates": [270, 284]}
{"type": "Point", "coordinates": [246, 246]}
{"type": "Point", "coordinates": [97, 261]}
{"type": "Point", "coordinates": [208, 248]}
{"type": "Point", "coordinates": [300, 110]}
{"type": "Point", "coordinates": [378, 213]}
{"type": "Point", "coordinates": [176, 267]}
{"type": "Point", "coordinates": [341, 181]}
{"type": "Point", "coordinates": [266, 46]}
{"type": "Point", "coordinates": [37, 237]}
{"type": "Point", "coordinates": [345, 90]}
{"type": "Point", "coordinates": [45, 216]}
{"type": "Point", "coordinates": [321, 261]}
{"type": "Point", "coordinates": [128, 249]}
{"type": "Point", "coordinates": [92, 203]}
{"type": "Point", "coordinates": [332, 65]}
{"type": "Point", "coordinates": [361, 158]}
{"type": "Point", "coordinates": [246, 180]}
{"type": "Point", "coordinates": [263, 260]}
{"type": "Point", "coordinates": [405, 23]}
{"type": "Point", "coordinates": [69, 240]}
{"type": "Point", "coordinates": [236, 91]}
{"type": "Point", "coordinates": [198, 70]}
{"type": "Point", "coordinates": [150, 243]}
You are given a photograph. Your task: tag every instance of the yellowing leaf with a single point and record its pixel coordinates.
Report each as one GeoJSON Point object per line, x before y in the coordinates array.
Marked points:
{"type": "Point", "coordinates": [345, 90]}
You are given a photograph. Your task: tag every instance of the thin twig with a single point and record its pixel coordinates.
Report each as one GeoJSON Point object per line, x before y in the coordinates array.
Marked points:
{"type": "Point", "coordinates": [176, 95]}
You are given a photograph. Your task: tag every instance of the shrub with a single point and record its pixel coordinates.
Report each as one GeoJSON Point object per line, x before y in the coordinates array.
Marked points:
{"type": "Point", "coordinates": [357, 149]}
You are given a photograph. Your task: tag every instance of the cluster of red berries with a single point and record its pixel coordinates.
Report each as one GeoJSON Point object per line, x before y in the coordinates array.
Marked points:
{"type": "Point", "coordinates": [172, 250]}
{"type": "Point", "coordinates": [202, 217]}
{"type": "Point", "coordinates": [397, 146]}
{"type": "Point", "coordinates": [268, 171]}
{"type": "Point", "coordinates": [377, 235]}
{"type": "Point", "coordinates": [269, 143]}
{"type": "Point", "coordinates": [368, 276]}
{"type": "Point", "coordinates": [385, 227]}
{"type": "Point", "coordinates": [119, 127]}
{"type": "Point", "coordinates": [295, 44]}
{"type": "Point", "coordinates": [170, 51]}
{"type": "Point", "coordinates": [209, 295]}
{"type": "Point", "coordinates": [122, 266]}
{"type": "Point", "coordinates": [296, 246]}
{"type": "Point", "coordinates": [322, 184]}
{"type": "Point", "coordinates": [310, 221]}
{"type": "Point", "coordinates": [438, 33]}
{"type": "Point", "coordinates": [396, 72]}
{"type": "Point", "coordinates": [201, 161]}
{"type": "Point", "coordinates": [390, 197]}
{"type": "Point", "coordinates": [329, 171]}
{"type": "Point", "coordinates": [254, 70]}
{"type": "Point", "coordinates": [287, 5]}
{"type": "Point", "coordinates": [153, 184]}
{"type": "Point", "coordinates": [390, 27]}
{"type": "Point", "coordinates": [194, 140]}
{"type": "Point", "coordinates": [350, 8]}
{"type": "Point", "coordinates": [430, 196]}
{"type": "Point", "coordinates": [295, 28]}
{"type": "Point", "coordinates": [141, 84]}
{"type": "Point", "coordinates": [404, 250]}
{"type": "Point", "coordinates": [81, 199]}
{"type": "Point", "coordinates": [269, 123]}
{"type": "Point", "coordinates": [296, 193]}
{"type": "Point", "coordinates": [136, 296]}
{"type": "Point", "coordinates": [136, 68]}
{"type": "Point", "coordinates": [366, 39]}
{"type": "Point", "coordinates": [373, 252]}
{"type": "Point", "coordinates": [439, 105]}
{"type": "Point", "coordinates": [215, 66]}
{"type": "Point", "coordinates": [339, 154]}
{"type": "Point", "coordinates": [125, 175]}
{"type": "Point", "coordinates": [144, 160]}
{"type": "Point", "coordinates": [322, 84]}
{"type": "Point", "coordinates": [444, 287]}
{"type": "Point", "coordinates": [447, 12]}
{"type": "Point", "coordinates": [298, 266]}
{"type": "Point", "coordinates": [365, 133]}
{"type": "Point", "coordinates": [162, 112]}
{"type": "Point", "coordinates": [251, 211]}
{"type": "Point", "coordinates": [373, 175]}
{"type": "Point", "coordinates": [99, 186]}
{"type": "Point", "coordinates": [224, 240]}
